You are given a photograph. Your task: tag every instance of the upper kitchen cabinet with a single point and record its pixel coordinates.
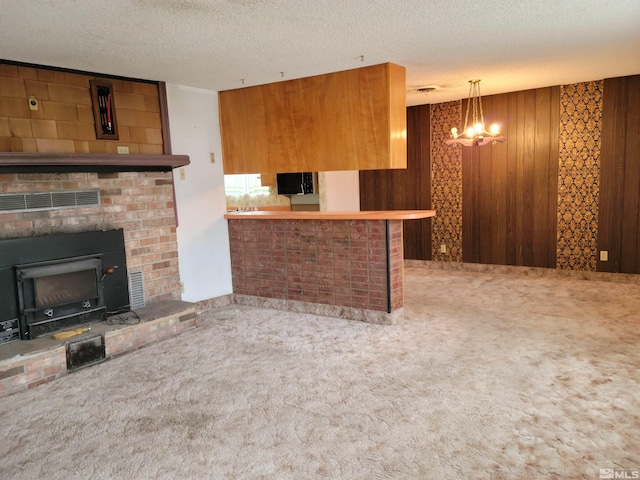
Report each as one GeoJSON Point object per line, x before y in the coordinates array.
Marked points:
{"type": "Point", "coordinates": [350, 120]}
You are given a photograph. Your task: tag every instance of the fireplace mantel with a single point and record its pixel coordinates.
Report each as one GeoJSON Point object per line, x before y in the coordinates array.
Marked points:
{"type": "Point", "coordinates": [20, 162]}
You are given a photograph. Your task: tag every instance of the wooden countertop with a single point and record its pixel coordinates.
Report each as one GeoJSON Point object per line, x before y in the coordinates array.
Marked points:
{"type": "Point", "coordinates": [360, 215]}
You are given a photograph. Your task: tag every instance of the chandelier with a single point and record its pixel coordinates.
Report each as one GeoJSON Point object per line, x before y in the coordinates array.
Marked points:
{"type": "Point", "coordinates": [474, 132]}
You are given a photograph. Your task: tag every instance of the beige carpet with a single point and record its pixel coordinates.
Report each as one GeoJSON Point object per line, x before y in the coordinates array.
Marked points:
{"type": "Point", "coordinates": [488, 377]}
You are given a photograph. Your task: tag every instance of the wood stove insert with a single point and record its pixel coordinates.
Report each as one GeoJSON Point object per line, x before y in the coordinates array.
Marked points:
{"type": "Point", "coordinates": [59, 295]}
{"type": "Point", "coordinates": [58, 281]}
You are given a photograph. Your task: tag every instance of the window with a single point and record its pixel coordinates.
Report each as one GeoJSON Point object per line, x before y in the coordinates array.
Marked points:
{"type": "Point", "coordinates": [238, 185]}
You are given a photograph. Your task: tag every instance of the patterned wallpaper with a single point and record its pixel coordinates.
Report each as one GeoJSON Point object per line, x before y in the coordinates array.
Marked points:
{"type": "Point", "coordinates": [579, 175]}
{"type": "Point", "coordinates": [446, 183]}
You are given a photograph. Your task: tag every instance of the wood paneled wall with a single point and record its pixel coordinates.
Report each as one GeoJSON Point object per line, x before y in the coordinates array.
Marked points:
{"type": "Point", "coordinates": [619, 219]}
{"type": "Point", "coordinates": [532, 200]}
{"type": "Point", "coordinates": [509, 190]}
{"type": "Point", "coordinates": [406, 189]}
{"type": "Point", "coordinates": [64, 121]}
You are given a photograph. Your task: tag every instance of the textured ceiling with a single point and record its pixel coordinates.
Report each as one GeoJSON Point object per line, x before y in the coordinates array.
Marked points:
{"type": "Point", "coordinates": [219, 44]}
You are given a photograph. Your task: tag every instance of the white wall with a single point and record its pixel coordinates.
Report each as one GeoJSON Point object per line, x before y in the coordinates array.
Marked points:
{"type": "Point", "coordinates": [203, 240]}
{"type": "Point", "coordinates": [340, 191]}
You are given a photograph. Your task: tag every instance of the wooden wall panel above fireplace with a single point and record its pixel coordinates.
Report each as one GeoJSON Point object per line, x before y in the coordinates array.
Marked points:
{"type": "Point", "coordinates": [47, 123]}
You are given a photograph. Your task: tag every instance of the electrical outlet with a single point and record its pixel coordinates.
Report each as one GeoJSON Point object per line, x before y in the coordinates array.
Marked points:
{"type": "Point", "coordinates": [183, 175]}
{"type": "Point", "coordinates": [443, 249]}
{"type": "Point", "coordinates": [604, 255]}
{"type": "Point", "coordinates": [181, 287]}
{"type": "Point", "coordinates": [212, 157]}
{"type": "Point", "coordinates": [33, 103]}
{"type": "Point", "coordinates": [123, 149]}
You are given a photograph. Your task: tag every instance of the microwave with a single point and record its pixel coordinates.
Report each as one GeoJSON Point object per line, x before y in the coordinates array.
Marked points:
{"type": "Point", "coordinates": [299, 183]}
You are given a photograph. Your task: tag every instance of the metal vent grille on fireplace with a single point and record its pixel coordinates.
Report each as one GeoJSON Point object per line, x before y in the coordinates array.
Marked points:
{"type": "Point", "coordinates": [136, 290]}
{"type": "Point", "coordinates": [20, 202]}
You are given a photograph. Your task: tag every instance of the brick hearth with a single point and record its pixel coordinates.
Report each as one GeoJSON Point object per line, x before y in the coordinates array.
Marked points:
{"type": "Point", "coordinates": [27, 364]}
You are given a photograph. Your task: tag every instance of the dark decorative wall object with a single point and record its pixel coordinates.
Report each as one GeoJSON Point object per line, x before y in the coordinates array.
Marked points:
{"type": "Point", "coordinates": [104, 109]}
{"type": "Point", "coordinates": [579, 175]}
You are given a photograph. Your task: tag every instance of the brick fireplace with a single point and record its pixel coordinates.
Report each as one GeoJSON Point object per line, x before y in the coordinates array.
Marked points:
{"type": "Point", "coordinates": [140, 203]}
{"type": "Point", "coordinates": [55, 148]}
{"type": "Point", "coordinates": [123, 182]}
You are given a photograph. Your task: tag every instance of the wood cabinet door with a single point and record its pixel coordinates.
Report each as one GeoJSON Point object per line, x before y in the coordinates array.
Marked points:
{"type": "Point", "coordinates": [350, 120]}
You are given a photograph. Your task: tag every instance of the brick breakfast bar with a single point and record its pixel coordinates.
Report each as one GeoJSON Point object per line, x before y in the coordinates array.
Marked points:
{"type": "Point", "coordinates": [340, 264]}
